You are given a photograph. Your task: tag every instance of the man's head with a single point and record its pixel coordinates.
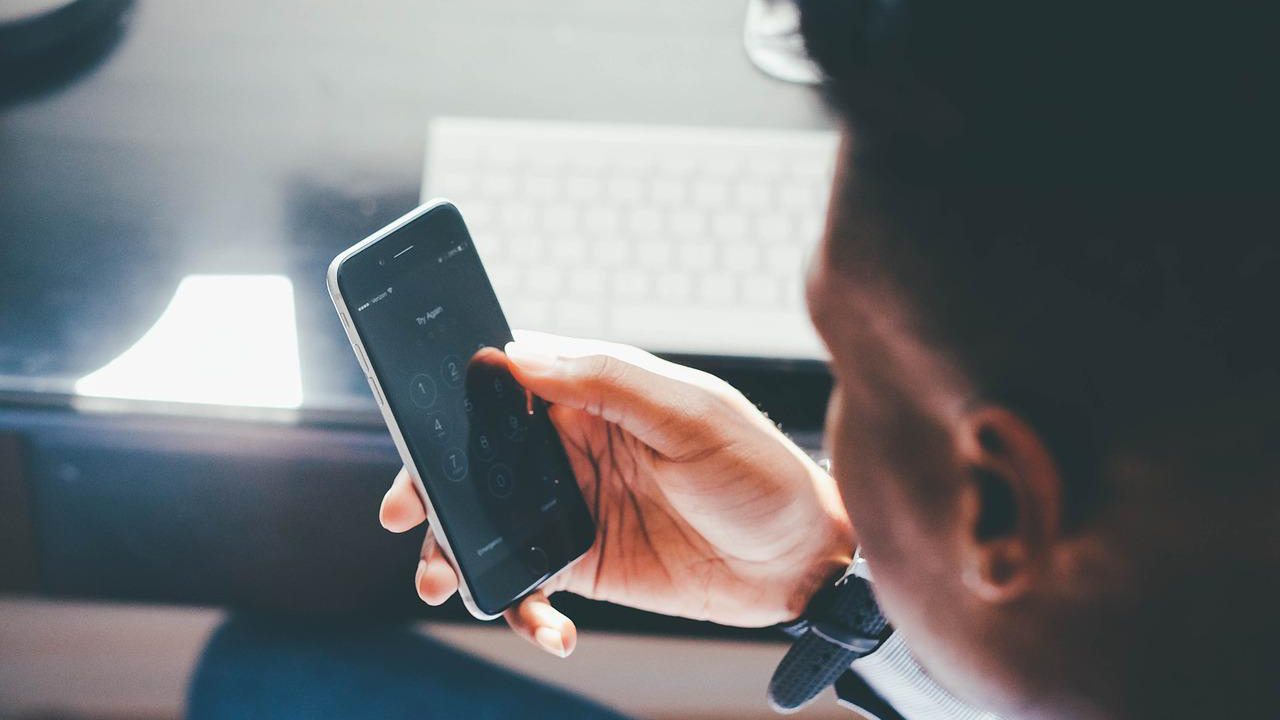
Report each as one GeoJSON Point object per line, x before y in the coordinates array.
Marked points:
{"type": "Point", "coordinates": [1049, 286]}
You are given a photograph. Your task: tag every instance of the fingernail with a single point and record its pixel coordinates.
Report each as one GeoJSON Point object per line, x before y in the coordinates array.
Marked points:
{"type": "Point", "coordinates": [417, 579]}
{"type": "Point", "coordinates": [530, 359]}
{"type": "Point", "coordinates": [384, 513]}
{"type": "Point", "coordinates": [552, 640]}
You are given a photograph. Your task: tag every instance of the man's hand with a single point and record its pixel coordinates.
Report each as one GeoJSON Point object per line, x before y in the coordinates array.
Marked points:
{"type": "Point", "coordinates": [703, 508]}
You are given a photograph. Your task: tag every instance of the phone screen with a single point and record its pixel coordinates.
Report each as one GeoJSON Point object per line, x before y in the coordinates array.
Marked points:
{"type": "Point", "coordinates": [486, 452]}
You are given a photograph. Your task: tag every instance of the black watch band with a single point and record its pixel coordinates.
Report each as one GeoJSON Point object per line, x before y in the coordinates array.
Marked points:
{"type": "Point", "coordinates": [841, 624]}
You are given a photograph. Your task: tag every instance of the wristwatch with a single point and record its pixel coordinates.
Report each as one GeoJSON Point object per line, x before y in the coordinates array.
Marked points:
{"type": "Point", "coordinates": [841, 624]}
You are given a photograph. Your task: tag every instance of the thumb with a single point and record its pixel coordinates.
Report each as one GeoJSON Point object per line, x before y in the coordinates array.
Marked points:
{"type": "Point", "coordinates": [666, 406]}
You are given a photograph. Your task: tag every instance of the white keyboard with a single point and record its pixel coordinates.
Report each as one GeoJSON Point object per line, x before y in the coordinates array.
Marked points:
{"type": "Point", "coordinates": [674, 239]}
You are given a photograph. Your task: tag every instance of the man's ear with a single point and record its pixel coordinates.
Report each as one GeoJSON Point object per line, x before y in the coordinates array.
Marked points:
{"type": "Point", "coordinates": [1011, 503]}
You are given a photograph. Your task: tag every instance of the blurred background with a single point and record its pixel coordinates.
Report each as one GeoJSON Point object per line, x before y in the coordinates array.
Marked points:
{"type": "Point", "coordinates": [184, 431]}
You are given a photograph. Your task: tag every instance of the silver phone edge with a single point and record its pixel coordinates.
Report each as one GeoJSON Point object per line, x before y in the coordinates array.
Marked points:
{"type": "Point", "coordinates": [348, 325]}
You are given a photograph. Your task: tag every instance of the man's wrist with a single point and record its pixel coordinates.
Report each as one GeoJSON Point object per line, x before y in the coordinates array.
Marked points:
{"type": "Point", "coordinates": [823, 569]}
{"type": "Point", "coordinates": [822, 562]}
{"type": "Point", "coordinates": [822, 574]}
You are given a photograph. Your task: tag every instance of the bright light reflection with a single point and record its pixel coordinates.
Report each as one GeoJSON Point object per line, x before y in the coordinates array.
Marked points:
{"type": "Point", "coordinates": [223, 340]}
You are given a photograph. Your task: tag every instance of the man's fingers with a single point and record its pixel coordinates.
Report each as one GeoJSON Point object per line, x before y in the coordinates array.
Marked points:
{"type": "Point", "coordinates": [664, 405]}
{"type": "Point", "coordinates": [535, 620]}
{"type": "Point", "coordinates": [402, 510]}
{"type": "Point", "coordinates": [435, 579]}
{"type": "Point", "coordinates": [401, 507]}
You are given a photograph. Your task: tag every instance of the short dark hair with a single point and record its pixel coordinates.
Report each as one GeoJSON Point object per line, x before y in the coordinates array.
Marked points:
{"type": "Point", "coordinates": [1081, 207]}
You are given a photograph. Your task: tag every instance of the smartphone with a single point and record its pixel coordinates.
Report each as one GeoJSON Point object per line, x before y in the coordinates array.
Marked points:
{"type": "Point", "coordinates": [427, 330]}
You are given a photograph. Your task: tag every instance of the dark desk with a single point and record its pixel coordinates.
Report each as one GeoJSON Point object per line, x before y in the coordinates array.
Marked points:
{"type": "Point", "coordinates": [261, 138]}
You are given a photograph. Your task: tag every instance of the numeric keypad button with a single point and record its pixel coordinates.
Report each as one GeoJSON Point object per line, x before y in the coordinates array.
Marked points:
{"type": "Point", "coordinates": [484, 446]}
{"type": "Point", "coordinates": [438, 427]}
{"type": "Point", "coordinates": [501, 481]}
{"type": "Point", "coordinates": [514, 427]}
{"type": "Point", "coordinates": [422, 390]}
{"type": "Point", "coordinates": [455, 464]}
{"type": "Point", "coordinates": [453, 371]}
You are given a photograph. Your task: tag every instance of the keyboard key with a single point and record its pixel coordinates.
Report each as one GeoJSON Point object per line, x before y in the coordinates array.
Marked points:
{"type": "Point", "coordinates": [524, 247]}
{"type": "Point", "coordinates": [729, 226]}
{"type": "Point", "coordinates": [741, 257]}
{"type": "Point", "coordinates": [796, 195]}
{"type": "Point", "coordinates": [760, 290]}
{"type": "Point", "coordinates": [587, 283]}
{"type": "Point", "coordinates": [505, 278]}
{"type": "Point", "coordinates": [496, 157]}
{"type": "Point", "coordinates": [479, 216]}
{"type": "Point", "coordinates": [773, 226]}
{"type": "Point", "coordinates": [793, 294]}
{"type": "Point", "coordinates": [582, 187]}
{"type": "Point", "coordinates": [674, 287]}
{"type": "Point", "coordinates": [579, 318]}
{"type": "Point", "coordinates": [809, 171]}
{"type": "Point", "coordinates": [718, 288]}
{"type": "Point", "coordinates": [602, 221]}
{"type": "Point", "coordinates": [545, 281]}
{"type": "Point", "coordinates": [610, 252]}
{"type": "Point", "coordinates": [549, 159]}
{"type": "Point", "coordinates": [498, 187]}
{"type": "Point", "coordinates": [491, 248]}
{"type": "Point", "coordinates": [810, 227]}
{"type": "Point", "coordinates": [631, 284]}
{"type": "Point", "coordinates": [626, 190]}
{"type": "Point", "coordinates": [754, 195]}
{"type": "Point", "coordinates": [517, 216]}
{"type": "Point", "coordinates": [644, 222]}
{"type": "Point", "coordinates": [668, 191]}
{"type": "Point", "coordinates": [765, 167]}
{"type": "Point", "coordinates": [560, 218]}
{"type": "Point", "coordinates": [541, 187]}
{"type": "Point", "coordinates": [696, 255]}
{"type": "Point", "coordinates": [817, 203]}
{"type": "Point", "coordinates": [785, 261]}
{"type": "Point", "coordinates": [655, 255]}
{"type": "Point", "coordinates": [679, 164]}
{"type": "Point", "coordinates": [568, 250]}
{"type": "Point", "coordinates": [711, 194]}
{"type": "Point", "coordinates": [633, 163]}
{"type": "Point", "coordinates": [721, 163]}
{"type": "Point", "coordinates": [688, 223]}
{"type": "Point", "coordinates": [527, 313]}
{"type": "Point", "coordinates": [588, 159]}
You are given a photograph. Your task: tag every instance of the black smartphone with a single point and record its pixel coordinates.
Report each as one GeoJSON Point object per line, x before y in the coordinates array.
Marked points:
{"type": "Point", "coordinates": [427, 330]}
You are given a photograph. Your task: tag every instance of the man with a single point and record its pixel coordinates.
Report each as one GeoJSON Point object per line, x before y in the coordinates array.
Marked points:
{"type": "Point", "coordinates": [1048, 288]}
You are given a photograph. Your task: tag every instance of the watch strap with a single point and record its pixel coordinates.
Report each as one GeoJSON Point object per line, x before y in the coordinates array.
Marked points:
{"type": "Point", "coordinates": [841, 624]}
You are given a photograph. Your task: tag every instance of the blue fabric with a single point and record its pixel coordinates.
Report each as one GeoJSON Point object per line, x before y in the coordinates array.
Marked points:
{"type": "Point", "coordinates": [269, 669]}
